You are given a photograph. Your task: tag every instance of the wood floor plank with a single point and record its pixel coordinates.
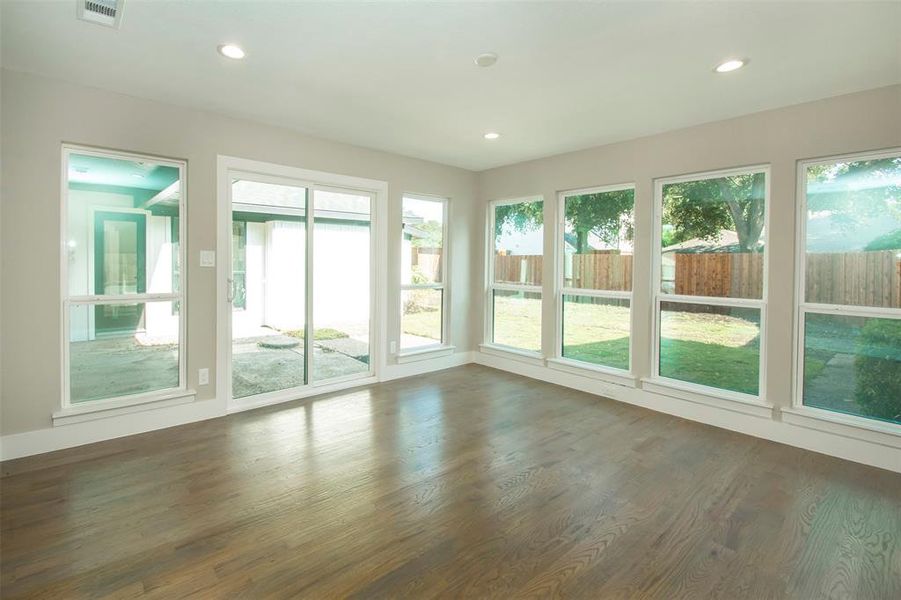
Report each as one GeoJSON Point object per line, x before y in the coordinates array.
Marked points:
{"type": "Point", "coordinates": [467, 483]}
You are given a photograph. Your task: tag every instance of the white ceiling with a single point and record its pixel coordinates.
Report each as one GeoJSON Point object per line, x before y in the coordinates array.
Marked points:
{"type": "Point", "coordinates": [400, 76]}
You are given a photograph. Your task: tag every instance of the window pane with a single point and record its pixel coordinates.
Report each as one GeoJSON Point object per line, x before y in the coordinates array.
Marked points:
{"type": "Point", "coordinates": [421, 318]}
{"type": "Point", "coordinates": [517, 319]}
{"type": "Point", "coordinates": [122, 225]}
{"type": "Point", "coordinates": [596, 330]}
{"type": "Point", "coordinates": [853, 365]}
{"type": "Point", "coordinates": [122, 349]}
{"type": "Point", "coordinates": [713, 237]}
{"type": "Point", "coordinates": [716, 346]}
{"type": "Point", "coordinates": [597, 240]}
{"type": "Point", "coordinates": [341, 267]}
{"type": "Point", "coordinates": [423, 238]}
{"type": "Point", "coordinates": [854, 233]}
{"type": "Point", "coordinates": [518, 242]}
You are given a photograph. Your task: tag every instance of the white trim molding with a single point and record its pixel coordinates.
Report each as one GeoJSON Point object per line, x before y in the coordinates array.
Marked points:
{"type": "Point", "coordinates": [811, 416]}
{"type": "Point", "coordinates": [411, 353]}
{"type": "Point", "coordinates": [311, 181]}
{"type": "Point", "coordinates": [101, 409]}
{"type": "Point", "coordinates": [425, 353]}
{"type": "Point", "coordinates": [71, 412]}
{"type": "Point", "coordinates": [660, 297]}
{"type": "Point", "coordinates": [561, 291]}
{"type": "Point", "coordinates": [491, 286]}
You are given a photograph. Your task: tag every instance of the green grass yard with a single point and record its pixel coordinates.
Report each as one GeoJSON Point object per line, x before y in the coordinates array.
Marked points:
{"type": "Point", "coordinates": [708, 349]}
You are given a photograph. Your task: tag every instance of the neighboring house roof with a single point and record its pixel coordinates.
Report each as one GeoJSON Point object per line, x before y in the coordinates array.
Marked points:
{"type": "Point", "coordinates": [726, 242]}
{"type": "Point", "coordinates": [415, 232]}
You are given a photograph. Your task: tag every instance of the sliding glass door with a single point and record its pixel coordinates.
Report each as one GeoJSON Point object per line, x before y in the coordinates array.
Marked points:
{"type": "Point", "coordinates": [288, 273]}
{"type": "Point", "coordinates": [341, 284]}
{"type": "Point", "coordinates": [268, 286]}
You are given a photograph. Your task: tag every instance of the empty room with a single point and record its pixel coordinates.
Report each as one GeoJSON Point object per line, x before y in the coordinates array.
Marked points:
{"type": "Point", "coordinates": [504, 299]}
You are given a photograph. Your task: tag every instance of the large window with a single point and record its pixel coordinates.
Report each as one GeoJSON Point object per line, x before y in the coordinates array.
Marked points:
{"type": "Point", "coordinates": [849, 314]}
{"type": "Point", "coordinates": [423, 273]}
{"type": "Point", "coordinates": [516, 229]}
{"type": "Point", "coordinates": [710, 298]}
{"type": "Point", "coordinates": [123, 264]}
{"type": "Point", "coordinates": [596, 275]}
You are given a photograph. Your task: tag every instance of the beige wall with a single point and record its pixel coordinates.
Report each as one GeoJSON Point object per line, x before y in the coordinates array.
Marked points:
{"type": "Point", "coordinates": [39, 114]}
{"type": "Point", "coordinates": [865, 121]}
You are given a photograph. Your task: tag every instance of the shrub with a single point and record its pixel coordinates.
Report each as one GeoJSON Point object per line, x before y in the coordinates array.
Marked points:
{"type": "Point", "coordinates": [878, 369]}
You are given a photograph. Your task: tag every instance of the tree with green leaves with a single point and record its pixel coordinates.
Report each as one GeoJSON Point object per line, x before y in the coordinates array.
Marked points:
{"type": "Point", "coordinates": [703, 208]}
{"type": "Point", "coordinates": [608, 215]}
{"type": "Point", "coordinates": [604, 214]}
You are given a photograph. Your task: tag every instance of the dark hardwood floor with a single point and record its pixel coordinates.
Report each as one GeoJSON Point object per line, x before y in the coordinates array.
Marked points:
{"type": "Point", "coordinates": [468, 483]}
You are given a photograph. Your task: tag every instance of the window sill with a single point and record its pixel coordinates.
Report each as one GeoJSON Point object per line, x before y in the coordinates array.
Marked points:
{"type": "Point", "coordinates": [526, 356]}
{"type": "Point", "coordinates": [425, 353]}
{"type": "Point", "coordinates": [102, 409]}
{"type": "Point", "coordinates": [606, 374]}
{"type": "Point", "coordinates": [733, 401]}
{"type": "Point", "coordinates": [877, 432]}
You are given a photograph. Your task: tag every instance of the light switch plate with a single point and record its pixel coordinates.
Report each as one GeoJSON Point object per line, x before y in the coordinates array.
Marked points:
{"type": "Point", "coordinates": [207, 258]}
{"type": "Point", "coordinates": [203, 377]}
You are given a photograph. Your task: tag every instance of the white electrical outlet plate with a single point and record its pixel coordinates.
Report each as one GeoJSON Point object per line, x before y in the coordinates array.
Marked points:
{"type": "Point", "coordinates": [393, 347]}
{"type": "Point", "coordinates": [203, 377]}
{"type": "Point", "coordinates": [207, 258]}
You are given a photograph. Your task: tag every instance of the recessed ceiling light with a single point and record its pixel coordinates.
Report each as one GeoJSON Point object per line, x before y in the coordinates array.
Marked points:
{"type": "Point", "coordinates": [491, 135]}
{"type": "Point", "coordinates": [486, 59]}
{"type": "Point", "coordinates": [231, 51]}
{"type": "Point", "coordinates": [733, 64]}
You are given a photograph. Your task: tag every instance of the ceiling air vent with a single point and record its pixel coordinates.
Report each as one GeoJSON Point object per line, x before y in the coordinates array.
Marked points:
{"type": "Point", "coordinates": [101, 12]}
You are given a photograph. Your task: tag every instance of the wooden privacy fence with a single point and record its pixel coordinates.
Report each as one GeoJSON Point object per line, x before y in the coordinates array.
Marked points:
{"type": "Point", "coordinates": [721, 274]}
{"type": "Point", "coordinates": [853, 278]}
{"type": "Point", "coordinates": [601, 272]}
{"type": "Point", "coordinates": [858, 278]}
{"type": "Point", "coordinates": [523, 269]}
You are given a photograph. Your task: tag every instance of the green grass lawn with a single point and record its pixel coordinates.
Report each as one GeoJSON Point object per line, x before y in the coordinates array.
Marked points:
{"type": "Point", "coordinates": [720, 351]}
{"type": "Point", "coordinates": [708, 349]}
{"type": "Point", "coordinates": [422, 314]}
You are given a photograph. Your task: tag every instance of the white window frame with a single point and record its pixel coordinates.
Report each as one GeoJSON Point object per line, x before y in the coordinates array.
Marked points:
{"type": "Point", "coordinates": [227, 167]}
{"type": "Point", "coordinates": [490, 286]}
{"type": "Point", "coordinates": [69, 412]}
{"type": "Point", "coordinates": [562, 290]}
{"type": "Point", "coordinates": [442, 285]}
{"type": "Point", "coordinates": [803, 308]}
{"type": "Point", "coordinates": [757, 404]}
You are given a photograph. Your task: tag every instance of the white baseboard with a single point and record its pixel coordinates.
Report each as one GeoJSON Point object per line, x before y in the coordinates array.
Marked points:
{"type": "Point", "coordinates": [766, 427]}
{"type": "Point", "coordinates": [419, 367]}
{"type": "Point", "coordinates": [40, 441]}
